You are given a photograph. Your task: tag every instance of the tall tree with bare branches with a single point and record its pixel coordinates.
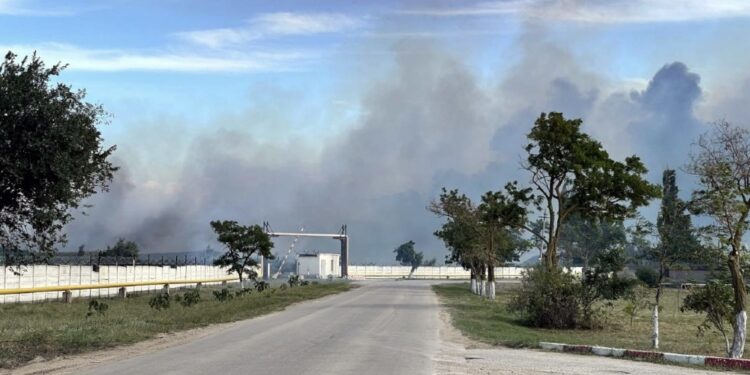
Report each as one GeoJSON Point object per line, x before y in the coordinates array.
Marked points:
{"type": "Point", "coordinates": [721, 161]}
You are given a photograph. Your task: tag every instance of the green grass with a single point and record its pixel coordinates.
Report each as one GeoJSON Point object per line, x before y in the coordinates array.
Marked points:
{"type": "Point", "coordinates": [490, 322]}
{"type": "Point", "coordinates": [54, 328]}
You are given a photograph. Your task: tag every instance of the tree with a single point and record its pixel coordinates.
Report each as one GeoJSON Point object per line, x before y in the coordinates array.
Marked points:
{"type": "Point", "coordinates": [81, 251]}
{"type": "Point", "coordinates": [482, 237]}
{"type": "Point", "coordinates": [242, 243]}
{"type": "Point", "coordinates": [122, 248]}
{"type": "Point", "coordinates": [721, 161]}
{"type": "Point", "coordinates": [499, 215]}
{"type": "Point", "coordinates": [407, 256]}
{"type": "Point", "coordinates": [430, 263]}
{"type": "Point", "coordinates": [572, 173]}
{"type": "Point", "coordinates": [51, 157]}
{"type": "Point", "coordinates": [460, 232]}
{"type": "Point", "coordinates": [583, 238]}
{"type": "Point", "coordinates": [677, 241]}
{"type": "Point", "coordinates": [714, 300]}
{"type": "Point", "coordinates": [601, 282]}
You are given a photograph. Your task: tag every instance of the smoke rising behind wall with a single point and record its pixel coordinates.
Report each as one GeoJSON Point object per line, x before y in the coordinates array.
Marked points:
{"type": "Point", "coordinates": [431, 121]}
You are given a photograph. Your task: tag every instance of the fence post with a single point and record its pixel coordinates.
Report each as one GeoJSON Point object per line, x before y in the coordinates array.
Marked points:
{"type": "Point", "coordinates": [68, 296]}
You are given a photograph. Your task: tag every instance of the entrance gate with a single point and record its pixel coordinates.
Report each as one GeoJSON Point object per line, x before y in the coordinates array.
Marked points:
{"type": "Point", "coordinates": [341, 236]}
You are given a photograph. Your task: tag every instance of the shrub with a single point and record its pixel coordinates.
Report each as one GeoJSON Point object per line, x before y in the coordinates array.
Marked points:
{"type": "Point", "coordinates": [159, 301]}
{"type": "Point", "coordinates": [636, 300]}
{"type": "Point", "coordinates": [261, 285]}
{"type": "Point", "coordinates": [223, 295]}
{"type": "Point", "coordinates": [558, 299]}
{"type": "Point", "coordinates": [190, 298]}
{"type": "Point", "coordinates": [293, 280]}
{"type": "Point", "coordinates": [715, 301]}
{"type": "Point", "coordinates": [305, 283]}
{"type": "Point", "coordinates": [602, 283]}
{"type": "Point", "coordinates": [97, 307]}
{"type": "Point", "coordinates": [243, 292]}
{"type": "Point", "coordinates": [547, 299]}
{"type": "Point", "coordinates": [648, 276]}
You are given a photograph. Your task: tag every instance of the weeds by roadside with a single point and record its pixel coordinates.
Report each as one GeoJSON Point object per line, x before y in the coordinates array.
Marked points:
{"type": "Point", "coordinates": [53, 328]}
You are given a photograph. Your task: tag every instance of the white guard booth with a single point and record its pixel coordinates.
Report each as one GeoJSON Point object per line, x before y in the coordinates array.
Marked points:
{"type": "Point", "coordinates": [319, 265]}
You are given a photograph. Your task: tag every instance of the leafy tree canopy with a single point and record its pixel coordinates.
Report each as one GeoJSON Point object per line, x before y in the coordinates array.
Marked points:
{"type": "Point", "coordinates": [242, 243]}
{"type": "Point", "coordinates": [51, 157]}
{"type": "Point", "coordinates": [571, 173]}
{"type": "Point", "coordinates": [122, 248]}
{"type": "Point", "coordinates": [583, 238]}
{"type": "Point", "coordinates": [407, 256]}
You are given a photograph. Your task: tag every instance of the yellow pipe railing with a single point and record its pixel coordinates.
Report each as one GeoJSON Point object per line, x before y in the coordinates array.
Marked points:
{"type": "Point", "coordinates": [64, 288]}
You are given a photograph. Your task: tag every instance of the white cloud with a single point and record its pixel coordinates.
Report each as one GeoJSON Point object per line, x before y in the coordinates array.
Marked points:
{"type": "Point", "coordinates": [615, 11]}
{"type": "Point", "coordinates": [121, 60]}
{"type": "Point", "coordinates": [272, 24]}
{"type": "Point", "coordinates": [24, 8]}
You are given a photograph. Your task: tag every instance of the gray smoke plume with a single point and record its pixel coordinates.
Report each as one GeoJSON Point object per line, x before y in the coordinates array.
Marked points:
{"type": "Point", "coordinates": [431, 122]}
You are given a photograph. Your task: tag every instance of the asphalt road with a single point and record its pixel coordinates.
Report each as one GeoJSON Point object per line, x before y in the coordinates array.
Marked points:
{"type": "Point", "coordinates": [384, 327]}
{"type": "Point", "coordinates": [380, 328]}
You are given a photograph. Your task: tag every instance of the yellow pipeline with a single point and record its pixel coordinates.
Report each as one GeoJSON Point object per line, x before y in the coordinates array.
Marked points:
{"type": "Point", "coordinates": [62, 288]}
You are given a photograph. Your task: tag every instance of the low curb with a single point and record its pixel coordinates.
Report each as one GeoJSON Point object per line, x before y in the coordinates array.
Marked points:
{"type": "Point", "coordinates": [685, 359]}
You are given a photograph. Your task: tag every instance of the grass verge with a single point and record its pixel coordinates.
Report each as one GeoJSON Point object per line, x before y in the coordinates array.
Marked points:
{"type": "Point", "coordinates": [50, 329]}
{"type": "Point", "coordinates": [490, 322]}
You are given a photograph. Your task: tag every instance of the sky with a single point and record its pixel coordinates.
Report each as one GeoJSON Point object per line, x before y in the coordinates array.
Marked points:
{"type": "Point", "coordinates": [317, 114]}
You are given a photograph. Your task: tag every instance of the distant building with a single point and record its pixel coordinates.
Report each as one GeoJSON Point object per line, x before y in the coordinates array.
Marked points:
{"type": "Point", "coordinates": [319, 265]}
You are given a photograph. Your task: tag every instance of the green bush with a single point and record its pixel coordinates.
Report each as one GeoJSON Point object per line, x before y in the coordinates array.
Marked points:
{"type": "Point", "coordinates": [547, 299]}
{"type": "Point", "coordinates": [648, 276]}
{"type": "Point", "coordinates": [243, 292]}
{"type": "Point", "coordinates": [223, 295]}
{"type": "Point", "coordinates": [715, 300]}
{"type": "Point", "coordinates": [160, 301]}
{"type": "Point", "coordinates": [305, 283]}
{"type": "Point", "coordinates": [293, 280]}
{"type": "Point", "coordinates": [558, 299]}
{"type": "Point", "coordinates": [97, 307]}
{"type": "Point", "coordinates": [261, 285]}
{"type": "Point", "coordinates": [190, 298]}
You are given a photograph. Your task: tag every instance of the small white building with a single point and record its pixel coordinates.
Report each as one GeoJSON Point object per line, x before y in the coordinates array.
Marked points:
{"type": "Point", "coordinates": [319, 265]}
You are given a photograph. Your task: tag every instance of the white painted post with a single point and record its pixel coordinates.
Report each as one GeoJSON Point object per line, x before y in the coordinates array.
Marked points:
{"type": "Point", "coordinates": [45, 281]}
{"type": "Point", "coordinates": [33, 281]}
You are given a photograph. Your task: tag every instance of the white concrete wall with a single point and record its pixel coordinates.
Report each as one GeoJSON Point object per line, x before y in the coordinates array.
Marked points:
{"type": "Point", "coordinates": [44, 275]}
{"type": "Point", "coordinates": [442, 272]}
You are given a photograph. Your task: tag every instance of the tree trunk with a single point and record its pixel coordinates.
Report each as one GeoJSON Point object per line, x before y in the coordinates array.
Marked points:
{"type": "Point", "coordinates": [473, 282]}
{"type": "Point", "coordinates": [550, 256]}
{"type": "Point", "coordinates": [482, 282]}
{"type": "Point", "coordinates": [655, 314]}
{"type": "Point", "coordinates": [491, 282]}
{"type": "Point", "coordinates": [655, 325]}
{"type": "Point", "coordinates": [740, 296]}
